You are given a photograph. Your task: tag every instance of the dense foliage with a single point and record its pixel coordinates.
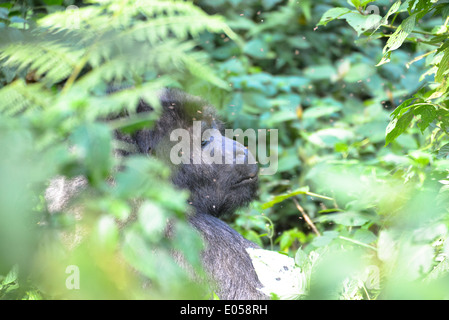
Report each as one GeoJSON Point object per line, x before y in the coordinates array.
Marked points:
{"type": "Point", "coordinates": [356, 89]}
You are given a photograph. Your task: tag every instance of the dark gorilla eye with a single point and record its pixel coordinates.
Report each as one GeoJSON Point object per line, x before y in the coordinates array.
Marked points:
{"type": "Point", "coordinates": [205, 142]}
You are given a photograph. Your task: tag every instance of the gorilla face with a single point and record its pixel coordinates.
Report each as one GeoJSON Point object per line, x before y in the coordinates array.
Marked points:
{"type": "Point", "coordinates": [219, 187]}
{"type": "Point", "coordinates": [220, 173]}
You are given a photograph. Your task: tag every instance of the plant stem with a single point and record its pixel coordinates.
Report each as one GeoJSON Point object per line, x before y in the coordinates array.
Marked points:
{"type": "Point", "coordinates": [358, 242]}
{"type": "Point", "coordinates": [413, 31]}
{"type": "Point", "coordinates": [306, 217]}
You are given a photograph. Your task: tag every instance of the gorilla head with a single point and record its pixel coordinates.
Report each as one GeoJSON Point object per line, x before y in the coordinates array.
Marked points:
{"type": "Point", "coordinates": [220, 173]}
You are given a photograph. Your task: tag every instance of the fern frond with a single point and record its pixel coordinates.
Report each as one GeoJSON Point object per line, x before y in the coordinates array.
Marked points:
{"type": "Point", "coordinates": [50, 60]}
{"type": "Point", "coordinates": [201, 70]}
{"type": "Point", "coordinates": [136, 59]}
{"type": "Point", "coordinates": [109, 41]}
{"type": "Point", "coordinates": [125, 99]}
{"type": "Point", "coordinates": [19, 97]}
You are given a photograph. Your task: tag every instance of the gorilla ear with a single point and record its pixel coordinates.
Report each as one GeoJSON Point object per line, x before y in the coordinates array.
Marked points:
{"type": "Point", "coordinates": [143, 106]}
{"type": "Point", "coordinates": [143, 137]}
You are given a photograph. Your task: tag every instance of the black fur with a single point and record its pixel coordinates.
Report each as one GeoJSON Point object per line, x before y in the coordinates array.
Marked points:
{"type": "Point", "coordinates": [215, 190]}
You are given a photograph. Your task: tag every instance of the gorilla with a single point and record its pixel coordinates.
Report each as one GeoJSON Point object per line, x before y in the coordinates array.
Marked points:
{"type": "Point", "coordinates": [217, 188]}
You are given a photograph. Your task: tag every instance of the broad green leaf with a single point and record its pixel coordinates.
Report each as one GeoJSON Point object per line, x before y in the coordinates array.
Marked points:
{"type": "Point", "coordinates": [106, 232]}
{"type": "Point", "coordinates": [93, 146]}
{"type": "Point", "coordinates": [284, 196]}
{"type": "Point", "coordinates": [188, 241]}
{"type": "Point", "coordinates": [443, 153]}
{"type": "Point", "coordinates": [355, 3]}
{"type": "Point", "coordinates": [393, 9]}
{"type": "Point", "coordinates": [427, 113]}
{"type": "Point", "coordinates": [332, 14]}
{"type": "Point", "coordinates": [387, 246]}
{"type": "Point", "coordinates": [288, 162]}
{"type": "Point", "coordinates": [268, 4]}
{"type": "Point", "coordinates": [257, 48]}
{"type": "Point", "coordinates": [320, 72]}
{"type": "Point", "coordinates": [362, 23]}
{"type": "Point", "coordinates": [12, 275]}
{"type": "Point", "coordinates": [359, 71]}
{"type": "Point", "coordinates": [327, 138]}
{"type": "Point", "coordinates": [326, 238]}
{"type": "Point", "coordinates": [302, 260]}
{"type": "Point", "coordinates": [416, 259]}
{"type": "Point", "coordinates": [53, 2]}
{"type": "Point", "coordinates": [397, 126]}
{"type": "Point", "coordinates": [443, 67]}
{"type": "Point", "coordinates": [402, 108]}
{"type": "Point", "coordinates": [137, 252]}
{"type": "Point", "coordinates": [321, 111]}
{"type": "Point", "coordinates": [152, 219]}
{"type": "Point", "coordinates": [401, 33]}
{"type": "Point", "coordinates": [349, 219]}
{"type": "Point", "coordinates": [365, 236]}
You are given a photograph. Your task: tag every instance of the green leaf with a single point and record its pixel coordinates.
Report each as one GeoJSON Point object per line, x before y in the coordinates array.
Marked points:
{"type": "Point", "coordinates": [428, 115]}
{"type": "Point", "coordinates": [152, 219]}
{"type": "Point", "coordinates": [257, 48]}
{"type": "Point", "coordinates": [320, 72]}
{"type": "Point", "coordinates": [327, 138]}
{"type": "Point", "coordinates": [268, 4]}
{"type": "Point", "coordinates": [355, 3]}
{"type": "Point", "coordinates": [53, 2]}
{"type": "Point", "coordinates": [4, 13]}
{"type": "Point", "coordinates": [359, 71]}
{"type": "Point", "coordinates": [107, 233]}
{"type": "Point", "coordinates": [12, 275]}
{"type": "Point", "coordinates": [332, 14]}
{"type": "Point", "coordinates": [443, 67]}
{"type": "Point", "coordinates": [326, 238]}
{"type": "Point", "coordinates": [282, 197]}
{"type": "Point", "coordinates": [321, 111]}
{"type": "Point", "coordinates": [397, 38]}
{"type": "Point", "coordinates": [402, 108]}
{"type": "Point", "coordinates": [387, 246]}
{"type": "Point", "coordinates": [136, 178]}
{"type": "Point", "coordinates": [362, 23]}
{"type": "Point", "coordinates": [93, 147]}
{"type": "Point", "coordinates": [393, 9]}
{"type": "Point", "coordinates": [443, 153]}
{"type": "Point", "coordinates": [302, 259]}
{"type": "Point", "coordinates": [397, 126]}
{"type": "Point", "coordinates": [365, 236]}
{"type": "Point", "coordinates": [188, 241]}
{"type": "Point", "coordinates": [401, 33]}
{"type": "Point", "coordinates": [349, 219]}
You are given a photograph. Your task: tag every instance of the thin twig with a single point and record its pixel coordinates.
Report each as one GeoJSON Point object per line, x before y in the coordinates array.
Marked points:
{"type": "Point", "coordinates": [420, 57]}
{"type": "Point", "coordinates": [358, 242]}
{"type": "Point", "coordinates": [306, 217]}
{"type": "Point", "coordinates": [413, 31]}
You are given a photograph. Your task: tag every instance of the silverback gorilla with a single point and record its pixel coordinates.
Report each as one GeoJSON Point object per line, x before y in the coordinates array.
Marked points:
{"type": "Point", "coordinates": [215, 189]}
